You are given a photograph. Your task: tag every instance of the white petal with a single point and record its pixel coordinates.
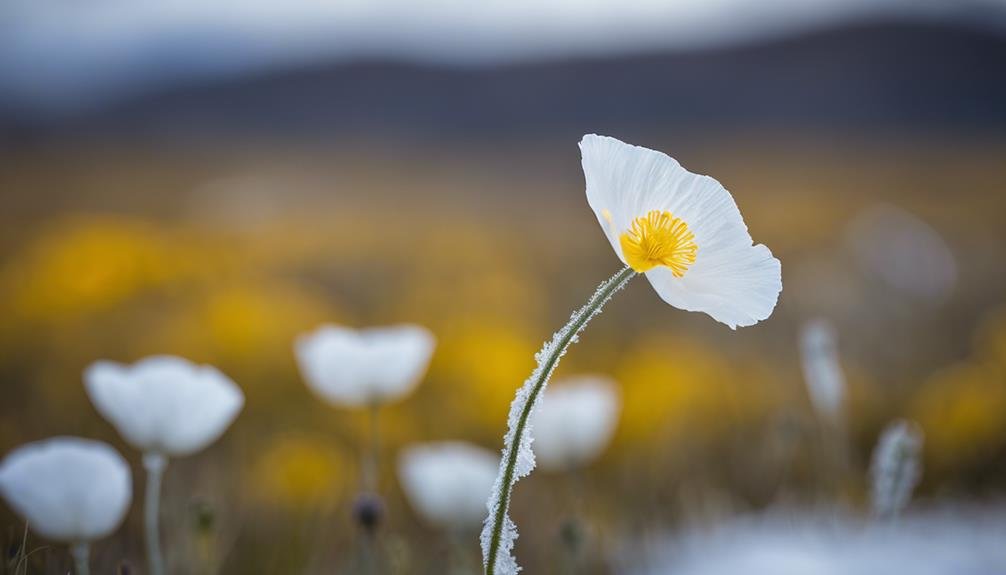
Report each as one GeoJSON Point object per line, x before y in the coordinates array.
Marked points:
{"type": "Point", "coordinates": [738, 286]}
{"type": "Point", "coordinates": [629, 181]}
{"type": "Point", "coordinates": [404, 354]}
{"type": "Point", "coordinates": [358, 367]}
{"type": "Point", "coordinates": [574, 421]}
{"type": "Point", "coordinates": [109, 386]}
{"type": "Point", "coordinates": [164, 404]}
{"type": "Point", "coordinates": [68, 489]}
{"type": "Point", "coordinates": [731, 280]}
{"type": "Point", "coordinates": [448, 482]}
{"type": "Point", "coordinates": [328, 359]}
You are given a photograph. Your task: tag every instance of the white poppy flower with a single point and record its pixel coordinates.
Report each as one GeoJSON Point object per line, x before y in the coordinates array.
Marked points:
{"type": "Point", "coordinates": [574, 421]}
{"type": "Point", "coordinates": [682, 230]}
{"type": "Point", "coordinates": [68, 489]}
{"type": "Point", "coordinates": [364, 367]}
{"type": "Point", "coordinates": [164, 405]}
{"type": "Point", "coordinates": [448, 482]}
{"type": "Point", "coordinates": [686, 235]}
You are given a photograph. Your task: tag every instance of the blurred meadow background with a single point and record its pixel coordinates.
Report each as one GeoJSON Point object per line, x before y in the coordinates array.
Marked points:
{"type": "Point", "coordinates": [211, 182]}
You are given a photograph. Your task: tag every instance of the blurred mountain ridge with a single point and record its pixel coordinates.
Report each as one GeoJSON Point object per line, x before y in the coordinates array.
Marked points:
{"type": "Point", "coordinates": [892, 74]}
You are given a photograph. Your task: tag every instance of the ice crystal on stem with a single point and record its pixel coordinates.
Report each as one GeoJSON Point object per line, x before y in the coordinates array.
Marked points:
{"type": "Point", "coordinates": [499, 531]}
{"type": "Point", "coordinates": [895, 470]}
{"type": "Point", "coordinates": [822, 370]}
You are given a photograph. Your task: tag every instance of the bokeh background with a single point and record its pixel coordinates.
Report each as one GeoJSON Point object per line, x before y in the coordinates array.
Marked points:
{"type": "Point", "coordinates": [211, 181]}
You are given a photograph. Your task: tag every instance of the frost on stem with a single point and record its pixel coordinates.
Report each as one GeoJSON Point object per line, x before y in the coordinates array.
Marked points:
{"type": "Point", "coordinates": [822, 370]}
{"type": "Point", "coordinates": [895, 468]}
{"type": "Point", "coordinates": [499, 531]}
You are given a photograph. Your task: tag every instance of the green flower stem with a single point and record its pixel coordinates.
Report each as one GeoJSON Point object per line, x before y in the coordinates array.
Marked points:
{"type": "Point", "coordinates": [573, 529]}
{"type": "Point", "coordinates": [154, 463]}
{"type": "Point", "coordinates": [81, 558]}
{"type": "Point", "coordinates": [371, 480]}
{"type": "Point", "coordinates": [460, 560]}
{"type": "Point", "coordinates": [371, 471]}
{"type": "Point", "coordinates": [547, 365]}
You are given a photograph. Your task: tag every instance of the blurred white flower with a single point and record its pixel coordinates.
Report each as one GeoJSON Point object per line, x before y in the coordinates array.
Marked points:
{"type": "Point", "coordinates": [895, 469]}
{"type": "Point", "coordinates": [164, 405]}
{"type": "Point", "coordinates": [574, 421]}
{"type": "Point", "coordinates": [68, 489]}
{"type": "Point", "coordinates": [363, 367]}
{"type": "Point", "coordinates": [822, 371]}
{"type": "Point", "coordinates": [448, 482]}
{"type": "Point", "coordinates": [904, 251]}
{"type": "Point", "coordinates": [949, 542]}
{"type": "Point", "coordinates": [682, 230]}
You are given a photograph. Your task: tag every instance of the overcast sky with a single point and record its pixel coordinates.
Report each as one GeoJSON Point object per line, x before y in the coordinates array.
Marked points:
{"type": "Point", "coordinates": [55, 52]}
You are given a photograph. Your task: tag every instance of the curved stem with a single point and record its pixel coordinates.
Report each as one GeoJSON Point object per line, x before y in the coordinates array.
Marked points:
{"type": "Point", "coordinates": [548, 359]}
{"type": "Point", "coordinates": [81, 558]}
{"type": "Point", "coordinates": [154, 464]}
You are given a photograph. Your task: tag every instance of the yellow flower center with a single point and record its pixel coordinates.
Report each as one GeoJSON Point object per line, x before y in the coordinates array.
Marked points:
{"type": "Point", "coordinates": [659, 239]}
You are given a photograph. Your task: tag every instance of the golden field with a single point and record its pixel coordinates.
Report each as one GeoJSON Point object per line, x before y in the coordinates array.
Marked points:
{"type": "Point", "coordinates": [223, 254]}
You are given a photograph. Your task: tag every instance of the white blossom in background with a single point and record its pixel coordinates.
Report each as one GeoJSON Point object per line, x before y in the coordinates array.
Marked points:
{"type": "Point", "coordinates": [822, 370]}
{"type": "Point", "coordinates": [952, 541]}
{"type": "Point", "coordinates": [904, 251]}
{"type": "Point", "coordinates": [574, 421]}
{"type": "Point", "coordinates": [448, 482]}
{"type": "Point", "coordinates": [895, 469]}
{"type": "Point", "coordinates": [683, 232]}
{"type": "Point", "coordinates": [372, 366]}
{"type": "Point", "coordinates": [164, 405]}
{"type": "Point", "coordinates": [69, 490]}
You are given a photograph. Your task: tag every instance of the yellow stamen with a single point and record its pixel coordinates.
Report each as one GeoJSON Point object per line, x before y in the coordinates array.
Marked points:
{"type": "Point", "coordinates": [659, 239]}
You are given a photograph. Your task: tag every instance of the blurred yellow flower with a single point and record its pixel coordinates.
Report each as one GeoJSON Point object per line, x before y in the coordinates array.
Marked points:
{"type": "Point", "coordinates": [480, 359]}
{"type": "Point", "coordinates": [992, 338]}
{"type": "Point", "coordinates": [961, 412]}
{"type": "Point", "coordinates": [245, 325]}
{"type": "Point", "coordinates": [299, 472]}
{"type": "Point", "coordinates": [87, 264]}
{"type": "Point", "coordinates": [455, 278]}
{"type": "Point", "coordinates": [672, 381]}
